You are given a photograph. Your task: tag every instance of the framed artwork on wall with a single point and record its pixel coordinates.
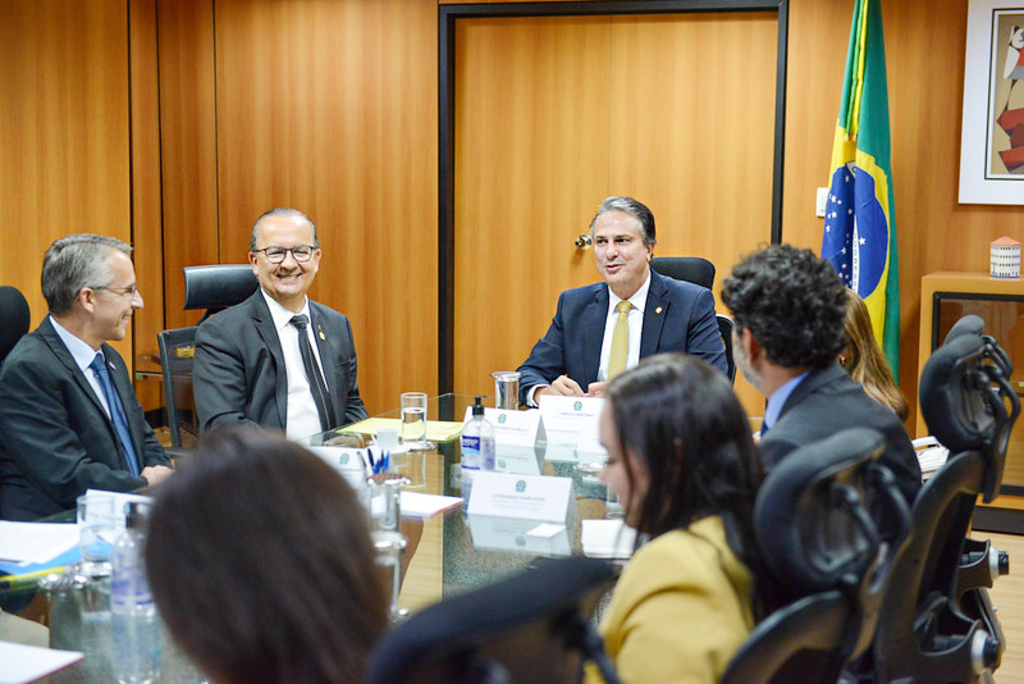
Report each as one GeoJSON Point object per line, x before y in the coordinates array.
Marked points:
{"type": "Point", "coordinates": [992, 137]}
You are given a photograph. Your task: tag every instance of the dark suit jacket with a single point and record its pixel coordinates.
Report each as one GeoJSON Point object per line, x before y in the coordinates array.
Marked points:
{"type": "Point", "coordinates": [678, 317]}
{"type": "Point", "coordinates": [827, 401]}
{"type": "Point", "coordinates": [56, 440]}
{"type": "Point", "coordinates": [239, 372]}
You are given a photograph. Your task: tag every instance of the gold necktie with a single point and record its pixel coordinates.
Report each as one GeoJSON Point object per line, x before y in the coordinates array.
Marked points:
{"type": "Point", "coordinates": [620, 341]}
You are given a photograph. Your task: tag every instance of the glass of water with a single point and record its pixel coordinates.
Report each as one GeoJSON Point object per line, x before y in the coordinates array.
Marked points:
{"type": "Point", "coordinates": [414, 419]}
{"type": "Point", "coordinates": [97, 527]}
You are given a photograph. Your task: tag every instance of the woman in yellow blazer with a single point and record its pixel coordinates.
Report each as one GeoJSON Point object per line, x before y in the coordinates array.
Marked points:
{"type": "Point", "coordinates": [681, 459]}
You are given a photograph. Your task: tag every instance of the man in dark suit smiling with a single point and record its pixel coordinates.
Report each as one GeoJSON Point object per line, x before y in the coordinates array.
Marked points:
{"type": "Point", "coordinates": [69, 419]}
{"type": "Point", "coordinates": [278, 359]}
{"type": "Point", "coordinates": [600, 330]}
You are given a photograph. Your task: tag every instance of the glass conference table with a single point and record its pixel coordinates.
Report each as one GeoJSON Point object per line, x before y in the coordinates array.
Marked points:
{"type": "Point", "coordinates": [447, 553]}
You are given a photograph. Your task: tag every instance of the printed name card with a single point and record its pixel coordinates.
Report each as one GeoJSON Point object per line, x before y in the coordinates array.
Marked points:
{"type": "Point", "coordinates": [529, 497]}
{"type": "Point", "coordinates": [514, 428]}
{"type": "Point", "coordinates": [351, 463]}
{"type": "Point", "coordinates": [571, 414]}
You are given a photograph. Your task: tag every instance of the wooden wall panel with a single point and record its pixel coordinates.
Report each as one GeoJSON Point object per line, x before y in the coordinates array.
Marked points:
{"type": "Point", "coordinates": [188, 147]}
{"type": "Point", "coordinates": [147, 228]}
{"type": "Point", "coordinates": [63, 131]}
{"type": "Point", "coordinates": [331, 108]}
{"type": "Point", "coordinates": [554, 114]}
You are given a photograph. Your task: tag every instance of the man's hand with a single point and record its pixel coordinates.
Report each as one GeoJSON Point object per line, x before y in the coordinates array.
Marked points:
{"type": "Point", "coordinates": [564, 386]}
{"type": "Point", "coordinates": [597, 389]}
{"type": "Point", "coordinates": [154, 475]}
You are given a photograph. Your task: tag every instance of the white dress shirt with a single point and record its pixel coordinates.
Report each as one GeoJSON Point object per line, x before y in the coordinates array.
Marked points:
{"type": "Point", "coordinates": [302, 419]}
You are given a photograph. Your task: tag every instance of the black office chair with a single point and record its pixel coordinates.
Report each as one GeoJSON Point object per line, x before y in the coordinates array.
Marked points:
{"type": "Point", "coordinates": [815, 523]}
{"type": "Point", "coordinates": [938, 623]}
{"type": "Point", "coordinates": [691, 269]}
{"type": "Point", "coordinates": [177, 349]}
{"type": "Point", "coordinates": [16, 316]}
{"type": "Point", "coordinates": [218, 286]}
{"type": "Point", "coordinates": [725, 326]}
{"type": "Point", "coordinates": [532, 627]}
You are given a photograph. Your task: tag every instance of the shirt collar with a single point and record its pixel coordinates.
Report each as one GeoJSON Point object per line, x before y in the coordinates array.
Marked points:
{"type": "Point", "coordinates": [779, 397]}
{"type": "Point", "coordinates": [638, 299]}
{"type": "Point", "coordinates": [80, 350]}
{"type": "Point", "coordinates": [282, 316]}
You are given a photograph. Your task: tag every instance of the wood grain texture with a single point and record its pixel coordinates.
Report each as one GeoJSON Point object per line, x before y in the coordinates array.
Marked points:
{"type": "Point", "coordinates": [63, 131]}
{"type": "Point", "coordinates": [188, 144]}
{"type": "Point", "coordinates": [332, 108]}
{"type": "Point", "coordinates": [555, 114]}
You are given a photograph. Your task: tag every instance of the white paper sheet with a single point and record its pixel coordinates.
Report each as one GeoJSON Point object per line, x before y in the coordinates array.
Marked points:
{"type": "Point", "coordinates": [27, 542]}
{"type": "Point", "coordinates": [20, 664]}
{"type": "Point", "coordinates": [419, 505]}
{"type": "Point", "coordinates": [607, 539]}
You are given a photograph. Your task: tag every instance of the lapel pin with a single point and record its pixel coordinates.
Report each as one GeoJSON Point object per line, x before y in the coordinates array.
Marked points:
{"type": "Point", "coordinates": [658, 310]}
{"type": "Point", "coordinates": [323, 338]}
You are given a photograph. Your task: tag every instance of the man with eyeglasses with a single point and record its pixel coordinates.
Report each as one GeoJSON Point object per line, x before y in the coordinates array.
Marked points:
{"type": "Point", "coordinates": [69, 419]}
{"type": "Point", "coordinates": [278, 359]}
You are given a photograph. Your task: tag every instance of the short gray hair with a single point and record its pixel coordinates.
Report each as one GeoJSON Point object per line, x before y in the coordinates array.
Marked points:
{"type": "Point", "coordinates": [254, 240]}
{"type": "Point", "coordinates": [636, 209]}
{"type": "Point", "coordinates": [75, 262]}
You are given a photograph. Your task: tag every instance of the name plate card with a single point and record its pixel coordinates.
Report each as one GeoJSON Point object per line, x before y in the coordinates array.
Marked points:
{"type": "Point", "coordinates": [528, 497]}
{"type": "Point", "coordinates": [512, 428]}
{"type": "Point", "coordinates": [351, 463]}
{"type": "Point", "coordinates": [571, 414]}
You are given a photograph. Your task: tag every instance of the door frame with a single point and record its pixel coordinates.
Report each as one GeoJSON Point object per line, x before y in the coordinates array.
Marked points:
{"type": "Point", "coordinates": [448, 15]}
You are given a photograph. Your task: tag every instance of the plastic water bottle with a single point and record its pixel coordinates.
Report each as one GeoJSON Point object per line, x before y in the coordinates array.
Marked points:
{"type": "Point", "coordinates": [477, 442]}
{"type": "Point", "coordinates": [136, 627]}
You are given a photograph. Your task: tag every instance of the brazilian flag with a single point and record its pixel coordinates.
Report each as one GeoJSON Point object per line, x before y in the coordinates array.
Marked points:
{"type": "Point", "coordinates": [860, 219]}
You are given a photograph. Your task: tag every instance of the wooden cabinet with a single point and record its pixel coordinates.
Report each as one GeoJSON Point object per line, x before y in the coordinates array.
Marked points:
{"type": "Point", "coordinates": [945, 298]}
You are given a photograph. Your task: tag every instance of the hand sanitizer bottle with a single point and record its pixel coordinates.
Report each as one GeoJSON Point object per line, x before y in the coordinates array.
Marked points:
{"type": "Point", "coordinates": [477, 442]}
{"type": "Point", "coordinates": [136, 626]}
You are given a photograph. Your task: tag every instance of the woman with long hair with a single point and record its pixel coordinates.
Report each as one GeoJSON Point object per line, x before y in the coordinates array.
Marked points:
{"type": "Point", "coordinates": [260, 562]}
{"type": "Point", "coordinates": [682, 461]}
{"type": "Point", "coordinates": [864, 361]}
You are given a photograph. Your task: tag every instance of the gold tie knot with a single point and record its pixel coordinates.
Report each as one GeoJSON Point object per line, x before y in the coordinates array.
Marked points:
{"type": "Point", "coordinates": [623, 306]}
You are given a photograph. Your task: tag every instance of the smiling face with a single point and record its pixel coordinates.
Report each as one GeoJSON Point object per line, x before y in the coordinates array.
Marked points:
{"type": "Point", "coordinates": [619, 468]}
{"type": "Point", "coordinates": [621, 256]}
{"type": "Point", "coordinates": [288, 281]}
{"type": "Point", "coordinates": [112, 306]}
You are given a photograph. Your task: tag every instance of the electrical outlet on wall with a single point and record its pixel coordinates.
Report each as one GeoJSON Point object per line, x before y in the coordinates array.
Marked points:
{"type": "Point", "coordinates": [822, 200]}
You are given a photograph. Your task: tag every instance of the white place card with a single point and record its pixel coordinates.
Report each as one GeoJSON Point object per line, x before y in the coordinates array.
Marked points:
{"type": "Point", "coordinates": [561, 446]}
{"type": "Point", "coordinates": [514, 428]}
{"type": "Point", "coordinates": [351, 463]}
{"type": "Point", "coordinates": [509, 534]}
{"type": "Point", "coordinates": [570, 414]}
{"type": "Point", "coordinates": [528, 497]}
{"type": "Point", "coordinates": [524, 460]}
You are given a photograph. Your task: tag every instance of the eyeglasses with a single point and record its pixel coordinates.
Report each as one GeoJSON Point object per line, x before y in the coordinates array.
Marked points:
{"type": "Point", "coordinates": [275, 255]}
{"type": "Point", "coordinates": [131, 290]}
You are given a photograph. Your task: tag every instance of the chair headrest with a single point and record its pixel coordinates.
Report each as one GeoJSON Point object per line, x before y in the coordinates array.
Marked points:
{"type": "Point", "coordinates": [218, 286]}
{"type": "Point", "coordinates": [950, 394]}
{"type": "Point", "coordinates": [16, 316]}
{"type": "Point", "coordinates": [970, 325]}
{"type": "Point", "coordinates": [470, 620]}
{"type": "Point", "coordinates": [810, 517]}
{"type": "Point", "coordinates": [696, 270]}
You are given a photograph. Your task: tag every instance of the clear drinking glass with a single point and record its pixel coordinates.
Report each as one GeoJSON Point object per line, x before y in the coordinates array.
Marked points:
{"type": "Point", "coordinates": [388, 547]}
{"type": "Point", "coordinates": [97, 527]}
{"type": "Point", "coordinates": [506, 389]}
{"type": "Point", "coordinates": [414, 419]}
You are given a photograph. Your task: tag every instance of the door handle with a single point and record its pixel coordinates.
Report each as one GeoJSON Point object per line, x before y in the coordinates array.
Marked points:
{"type": "Point", "coordinates": [583, 241]}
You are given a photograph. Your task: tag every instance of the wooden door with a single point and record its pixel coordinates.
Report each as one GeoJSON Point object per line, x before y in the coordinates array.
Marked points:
{"type": "Point", "coordinates": [553, 114]}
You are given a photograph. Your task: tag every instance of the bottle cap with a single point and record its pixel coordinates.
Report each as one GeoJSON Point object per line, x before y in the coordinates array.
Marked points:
{"type": "Point", "coordinates": [478, 407]}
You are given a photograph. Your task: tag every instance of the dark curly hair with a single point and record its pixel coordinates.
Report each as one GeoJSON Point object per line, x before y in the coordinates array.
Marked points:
{"type": "Point", "coordinates": [793, 302]}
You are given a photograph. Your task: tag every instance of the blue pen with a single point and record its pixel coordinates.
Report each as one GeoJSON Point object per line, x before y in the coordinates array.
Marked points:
{"type": "Point", "coordinates": [387, 461]}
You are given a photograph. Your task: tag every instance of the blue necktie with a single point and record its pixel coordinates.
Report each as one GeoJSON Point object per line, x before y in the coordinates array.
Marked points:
{"type": "Point", "coordinates": [117, 415]}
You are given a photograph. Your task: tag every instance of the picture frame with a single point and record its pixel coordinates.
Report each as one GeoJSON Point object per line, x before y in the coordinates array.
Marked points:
{"type": "Point", "coordinates": [992, 134]}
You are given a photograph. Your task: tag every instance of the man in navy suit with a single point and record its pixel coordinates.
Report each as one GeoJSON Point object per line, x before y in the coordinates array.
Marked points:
{"type": "Point", "coordinates": [278, 359]}
{"type": "Point", "coordinates": [790, 309]}
{"type": "Point", "coordinates": [577, 356]}
{"type": "Point", "coordinates": [69, 419]}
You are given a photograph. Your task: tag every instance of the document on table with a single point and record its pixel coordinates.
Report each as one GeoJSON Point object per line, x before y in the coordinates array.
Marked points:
{"type": "Point", "coordinates": [28, 542]}
{"type": "Point", "coordinates": [437, 430]}
{"type": "Point", "coordinates": [20, 664]}
{"type": "Point", "coordinates": [419, 505]}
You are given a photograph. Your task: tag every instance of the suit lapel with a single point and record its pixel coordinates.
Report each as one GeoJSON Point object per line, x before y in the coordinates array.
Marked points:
{"type": "Point", "coordinates": [56, 346]}
{"type": "Point", "coordinates": [264, 324]}
{"type": "Point", "coordinates": [328, 342]}
{"type": "Point", "coordinates": [593, 319]}
{"type": "Point", "coordinates": [655, 312]}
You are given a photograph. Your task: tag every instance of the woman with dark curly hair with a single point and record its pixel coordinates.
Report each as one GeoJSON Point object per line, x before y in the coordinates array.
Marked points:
{"type": "Point", "coordinates": [681, 459]}
{"type": "Point", "coordinates": [261, 565]}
